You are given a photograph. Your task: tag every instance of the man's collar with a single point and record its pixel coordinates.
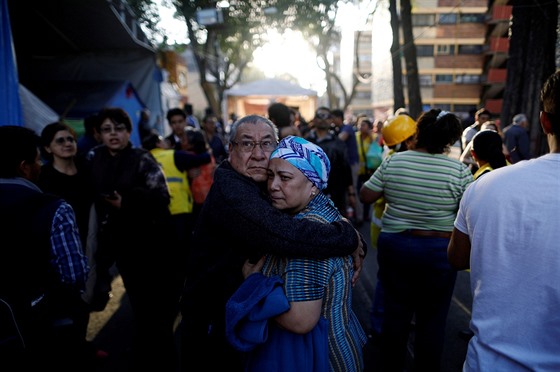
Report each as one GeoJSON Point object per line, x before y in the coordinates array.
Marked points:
{"type": "Point", "coordinates": [21, 182]}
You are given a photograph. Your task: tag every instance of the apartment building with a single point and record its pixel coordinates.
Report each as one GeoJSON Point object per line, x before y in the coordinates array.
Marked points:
{"type": "Point", "coordinates": [496, 55]}
{"type": "Point", "coordinates": [450, 39]}
{"type": "Point", "coordinates": [459, 61]}
{"type": "Point", "coordinates": [362, 70]}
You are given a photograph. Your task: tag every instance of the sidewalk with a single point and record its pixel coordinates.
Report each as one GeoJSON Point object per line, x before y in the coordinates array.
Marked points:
{"type": "Point", "coordinates": [111, 330]}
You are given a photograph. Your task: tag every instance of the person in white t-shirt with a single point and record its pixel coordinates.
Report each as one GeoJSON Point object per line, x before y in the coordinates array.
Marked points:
{"type": "Point", "coordinates": [507, 232]}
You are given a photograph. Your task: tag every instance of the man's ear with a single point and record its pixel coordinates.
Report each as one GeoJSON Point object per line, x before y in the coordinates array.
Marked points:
{"type": "Point", "coordinates": [473, 154]}
{"type": "Point", "coordinates": [24, 169]}
{"type": "Point", "coordinates": [545, 122]}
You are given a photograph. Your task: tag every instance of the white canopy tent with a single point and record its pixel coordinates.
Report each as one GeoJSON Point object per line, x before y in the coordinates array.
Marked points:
{"type": "Point", "coordinates": [36, 113]}
{"type": "Point", "coordinates": [256, 96]}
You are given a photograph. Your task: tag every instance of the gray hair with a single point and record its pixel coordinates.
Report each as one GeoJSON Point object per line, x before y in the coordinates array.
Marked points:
{"type": "Point", "coordinates": [519, 118]}
{"type": "Point", "coordinates": [252, 119]}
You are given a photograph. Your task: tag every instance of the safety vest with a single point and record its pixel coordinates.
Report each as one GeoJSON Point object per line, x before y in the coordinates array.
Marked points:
{"type": "Point", "coordinates": [177, 182]}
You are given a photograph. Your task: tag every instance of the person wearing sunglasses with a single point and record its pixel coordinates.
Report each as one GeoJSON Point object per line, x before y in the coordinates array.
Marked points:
{"type": "Point", "coordinates": [62, 174]}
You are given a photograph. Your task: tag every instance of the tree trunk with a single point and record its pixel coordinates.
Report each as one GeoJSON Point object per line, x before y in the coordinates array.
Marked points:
{"type": "Point", "coordinates": [413, 82]}
{"type": "Point", "coordinates": [398, 90]}
{"type": "Point", "coordinates": [531, 61]}
{"type": "Point", "coordinates": [201, 62]}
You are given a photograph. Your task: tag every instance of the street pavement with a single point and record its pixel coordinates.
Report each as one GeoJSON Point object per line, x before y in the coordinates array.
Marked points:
{"type": "Point", "coordinates": [455, 347]}
{"type": "Point", "coordinates": [111, 329]}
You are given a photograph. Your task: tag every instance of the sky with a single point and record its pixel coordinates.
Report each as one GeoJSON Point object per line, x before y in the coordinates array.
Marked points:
{"type": "Point", "coordinates": [176, 30]}
{"type": "Point", "coordinates": [290, 53]}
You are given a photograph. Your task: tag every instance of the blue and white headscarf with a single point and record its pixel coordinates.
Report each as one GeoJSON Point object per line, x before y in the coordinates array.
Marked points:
{"type": "Point", "coordinates": [309, 158]}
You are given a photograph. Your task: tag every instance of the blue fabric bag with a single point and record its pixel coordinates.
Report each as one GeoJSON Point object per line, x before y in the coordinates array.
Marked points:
{"type": "Point", "coordinates": [287, 351]}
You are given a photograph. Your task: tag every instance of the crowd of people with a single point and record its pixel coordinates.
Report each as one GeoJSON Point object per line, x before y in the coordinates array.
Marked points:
{"type": "Point", "coordinates": [251, 239]}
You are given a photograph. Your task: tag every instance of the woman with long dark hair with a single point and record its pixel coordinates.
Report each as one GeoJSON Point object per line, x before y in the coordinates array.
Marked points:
{"type": "Point", "coordinates": [487, 152]}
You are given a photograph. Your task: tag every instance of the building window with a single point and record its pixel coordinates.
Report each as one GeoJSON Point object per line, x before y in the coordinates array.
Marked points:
{"type": "Point", "coordinates": [448, 19]}
{"type": "Point", "coordinates": [465, 108]}
{"type": "Point", "coordinates": [472, 18]}
{"type": "Point", "coordinates": [368, 113]}
{"type": "Point", "coordinates": [363, 95]}
{"type": "Point", "coordinates": [467, 79]}
{"type": "Point", "coordinates": [444, 79]}
{"type": "Point", "coordinates": [425, 80]}
{"type": "Point", "coordinates": [445, 50]}
{"type": "Point", "coordinates": [423, 20]}
{"type": "Point", "coordinates": [424, 50]}
{"type": "Point", "coordinates": [470, 49]}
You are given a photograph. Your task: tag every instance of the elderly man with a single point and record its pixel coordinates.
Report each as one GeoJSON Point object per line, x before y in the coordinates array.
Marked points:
{"type": "Point", "coordinates": [506, 232]}
{"type": "Point", "coordinates": [516, 139]}
{"type": "Point", "coordinates": [238, 222]}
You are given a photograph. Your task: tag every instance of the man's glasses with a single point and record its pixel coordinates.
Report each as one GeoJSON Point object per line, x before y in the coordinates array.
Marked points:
{"type": "Point", "coordinates": [63, 140]}
{"type": "Point", "coordinates": [249, 146]}
{"type": "Point", "coordinates": [117, 128]}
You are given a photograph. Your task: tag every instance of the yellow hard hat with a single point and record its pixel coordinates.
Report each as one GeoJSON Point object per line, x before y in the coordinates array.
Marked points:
{"type": "Point", "coordinates": [397, 129]}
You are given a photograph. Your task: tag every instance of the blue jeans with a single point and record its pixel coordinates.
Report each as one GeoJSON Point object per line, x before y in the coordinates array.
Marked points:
{"type": "Point", "coordinates": [417, 281]}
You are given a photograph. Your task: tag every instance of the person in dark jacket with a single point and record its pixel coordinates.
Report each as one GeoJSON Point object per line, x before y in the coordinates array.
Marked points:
{"type": "Point", "coordinates": [341, 186]}
{"type": "Point", "coordinates": [177, 119]}
{"type": "Point", "coordinates": [132, 199]}
{"type": "Point", "coordinates": [516, 139]}
{"type": "Point", "coordinates": [43, 269]}
{"type": "Point", "coordinates": [238, 222]}
{"type": "Point", "coordinates": [63, 175]}
{"type": "Point", "coordinates": [175, 165]}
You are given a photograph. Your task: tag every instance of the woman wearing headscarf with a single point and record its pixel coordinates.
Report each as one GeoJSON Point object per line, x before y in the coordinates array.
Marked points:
{"type": "Point", "coordinates": [319, 291]}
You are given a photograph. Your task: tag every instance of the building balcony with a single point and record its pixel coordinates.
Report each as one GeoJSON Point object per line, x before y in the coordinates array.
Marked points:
{"type": "Point", "coordinates": [496, 75]}
{"type": "Point", "coordinates": [498, 21]}
{"type": "Point", "coordinates": [494, 105]}
{"type": "Point", "coordinates": [500, 13]}
{"type": "Point", "coordinates": [451, 91]}
{"type": "Point", "coordinates": [464, 61]}
{"type": "Point", "coordinates": [498, 45]}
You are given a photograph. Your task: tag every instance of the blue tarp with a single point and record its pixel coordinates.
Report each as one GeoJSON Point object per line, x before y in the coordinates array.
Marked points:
{"type": "Point", "coordinates": [10, 104]}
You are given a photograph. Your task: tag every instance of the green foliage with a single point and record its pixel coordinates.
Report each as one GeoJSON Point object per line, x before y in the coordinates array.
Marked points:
{"type": "Point", "coordinates": [247, 21]}
{"type": "Point", "coordinates": [147, 13]}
